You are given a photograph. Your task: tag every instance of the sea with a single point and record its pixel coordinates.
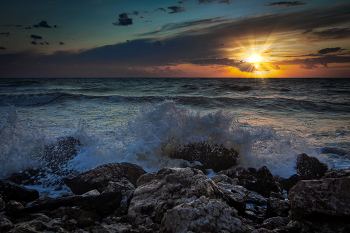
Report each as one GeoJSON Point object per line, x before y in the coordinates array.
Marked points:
{"type": "Point", "coordinates": [269, 122]}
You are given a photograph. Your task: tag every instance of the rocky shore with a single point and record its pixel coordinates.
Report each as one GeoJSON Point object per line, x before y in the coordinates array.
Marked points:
{"type": "Point", "coordinates": [122, 197]}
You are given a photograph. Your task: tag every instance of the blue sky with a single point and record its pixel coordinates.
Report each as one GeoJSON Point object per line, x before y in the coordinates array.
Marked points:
{"type": "Point", "coordinates": [193, 38]}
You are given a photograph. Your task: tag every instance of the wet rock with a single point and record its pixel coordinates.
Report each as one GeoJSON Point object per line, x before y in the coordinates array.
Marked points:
{"type": "Point", "coordinates": [169, 187]}
{"type": "Point", "coordinates": [320, 197]}
{"type": "Point", "coordinates": [287, 184]}
{"type": "Point", "coordinates": [11, 191]}
{"type": "Point", "coordinates": [275, 222]}
{"type": "Point", "coordinates": [87, 218]}
{"type": "Point", "coordinates": [255, 213]}
{"type": "Point", "coordinates": [277, 207]}
{"type": "Point", "coordinates": [114, 228]}
{"type": "Point", "coordinates": [318, 225]}
{"type": "Point", "coordinates": [99, 177]}
{"type": "Point", "coordinates": [202, 215]}
{"type": "Point", "coordinates": [215, 157]}
{"type": "Point", "coordinates": [337, 173]}
{"type": "Point", "coordinates": [260, 181]}
{"type": "Point", "coordinates": [310, 167]}
{"type": "Point", "coordinates": [277, 195]}
{"type": "Point", "coordinates": [2, 203]}
{"type": "Point", "coordinates": [5, 224]}
{"type": "Point", "coordinates": [256, 198]}
{"type": "Point", "coordinates": [233, 199]}
{"type": "Point", "coordinates": [224, 179]}
{"type": "Point", "coordinates": [334, 150]}
{"type": "Point", "coordinates": [32, 226]}
{"type": "Point", "coordinates": [13, 206]}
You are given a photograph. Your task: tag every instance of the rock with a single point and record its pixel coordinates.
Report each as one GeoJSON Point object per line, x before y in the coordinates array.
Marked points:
{"type": "Point", "coordinates": [310, 167]}
{"type": "Point", "coordinates": [202, 215]}
{"type": "Point", "coordinates": [2, 203]}
{"type": "Point", "coordinates": [13, 206]}
{"type": "Point", "coordinates": [287, 184]}
{"type": "Point", "coordinates": [169, 187]}
{"type": "Point", "coordinates": [99, 177]}
{"type": "Point", "coordinates": [337, 173]}
{"type": "Point", "coordinates": [256, 198]}
{"type": "Point", "coordinates": [114, 228]}
{"type": "Point", "coordinates": [275, 222]}
{"type": "Point", "coordinates": [277, 207]}
{"type": "Point", "coordinates": [105, 202]}
{"type": "Point", "coordinates": [215, 157]}
{"type": "Point", "coordinates": [12, 191]}
{"type": "Point", "coordinates": [277, 195]}
{"type": "Point", "coordinates": [254, 212]}
{"type": "Point", "coordinates": [334, 150]}
{"type": "Point", "coordinates": [260, 181]}
{"type": "Point", "coordinates": [233, 199]}
{"type": "Point", "coordinates": [225, 179]}
{"type": "Point", "coordinates": [87, 218]}
{"type": "Point", "coordinates": [328, 197]}
{"type": "Point", "coordinates": [318, 225]}
{"type": "Point", "coordinates": [5, 224]}
{"type": "Point", "coordinates": [32, 226]}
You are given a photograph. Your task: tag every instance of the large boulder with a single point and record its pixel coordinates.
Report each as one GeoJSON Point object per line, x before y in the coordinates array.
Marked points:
{"type": "Point", "coordinates": [310, 167]}
{"type": "Point", "coordinates": [12, 191]}
{"type": "Point", "coordinates": [169, 187]}
{"type": "Point", "coordinates": [288, 183]}
{"type": "Point", "coordinates": [277, 208]}
{"type": "Point", "coordinates": [215, 157]}
{"type": "Point", "coordinates": [99, 178]}
{"type": "Point", "coordinates": [329, 197]}
{"type": "Point", "coordinates": [203, 215]}
{"type": "Point", "coordinates": [260, 181]}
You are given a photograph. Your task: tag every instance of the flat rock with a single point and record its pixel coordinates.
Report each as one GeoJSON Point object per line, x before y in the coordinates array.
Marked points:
{"type": "Point", "coordinates": [98, 178]}
{"type": "Point", "coordinates": [328, 197]}
{"type": "Point", "coordinates": [169, 187]}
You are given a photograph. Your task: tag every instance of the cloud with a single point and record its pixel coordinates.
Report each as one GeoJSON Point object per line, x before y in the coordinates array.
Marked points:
{"type": "Point", "coordinates": [327, 34]}
{"type": "Point", "coordinates": [61, 43]}
{"type": "Point", "coordinates": [287, 4]}
{"type": "Point", "coordinates": [135, 12]}
{"type": "Point", "coordinates": [4, 34]}
{"type": "Point", "coordinates": [181, 2]}
{"type": "Point", "coordinates": [42, 24]}
{"type": "Point", "coordinates": [2, 48]}
{"type": "Point", "coordinates": [35, 37]}
{"type": "Point", "coordinates": [34, 42]}
{"type": "Point", "coordinates": [123, 20]}
{"type": "Point", "coordinates": [160, 9]}
{"type": "Point", "coordinates": [176, 9]}
{"type": "Point", "coordinates": [158, 43]}
{"type": "Point", "coordinates": [211, 1]}
{"type": "Point", "coordinates": [330, 50]}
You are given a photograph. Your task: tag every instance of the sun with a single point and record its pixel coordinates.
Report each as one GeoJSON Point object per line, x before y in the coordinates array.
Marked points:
{"type": "Point", "coordinates": [255, 58]}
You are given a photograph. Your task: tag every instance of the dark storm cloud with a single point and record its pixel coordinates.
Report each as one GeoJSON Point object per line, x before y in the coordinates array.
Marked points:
{"type": "Point", "coordinates": [34, 42]}
{"type": "Point", "coordinates": [123, 20]}
{"type": "Point", "coordinates": [4, 34]}
{"type": "Point", "coordinates": [35, 37]}
{"type": "Point", "coordinates": [330, 50]}
{"type": "Point", "coordinates": [61, 43]}
{"type": "Point", "coordinates": [42, 24]}
{"type": "Point", "coordinates": [327, 34]}
{"type": "Point", "coordinates": [160, 9]}
{"type": "Point", "coordinates": [175, 9]}
{"type": "Point", "coordinates": [287, 4]}
{"type": "Point", "coordinates": [242, 66]}
{"type": "Point", "coordinates": [2, 48]}
{"type": "Point", "coordinates": [173, 26]}
{"type": "Point", "coordinates": [211, 1]}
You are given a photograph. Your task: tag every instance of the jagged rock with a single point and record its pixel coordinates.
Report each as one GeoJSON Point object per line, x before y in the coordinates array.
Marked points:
{"type": "Point", "coordinates": [105, 202]}
{"type": "Point", "coordinates": [318, 225]}
{"type": "Point", "coordinates": [202, 215]}
{"type": "Point", "coordinates": [337, 173]}
{"type": "Point", "coordinates": [255, 213]}
{"type": "Point", "coordinates": [310, 167]}
{"type": "Point", "coordinates": [260, 181]}
{"type": "Point", "coordinates": [169, 187]}
{"type": "Point", "coordinates": [225, 179]}
{"type": "Point", "coordinates": [114, 228]}
{"type": "Point", "coordinates": [5, 224]}
{"type": "Point", "coordinates": [256, 198]}
{"type": "Point", "coordinates": [233, 199]}
{"type": "Point", "coordinates": [275, 222]}
{"type": "Point", "coordinates": [99, 177]}
{"type": "Point", "coordinates": [277, 195]}
{"type": "Point", "coordinates": [91, 193]}
{"type": "Point", "coordinates": [32, 226]}
{"type": "Point", "coordinates": [277, 207]}
{"type": "Point", "coordinates": [215, 157]}
{"type": "Point", "coordinates": [287, 184]}
{"type": "Point", "coordinates": [2, 203]}
{"type": "Point", "coordinates": [13, 206]}
{"type": "Point", "coordinates": [87, 218]}
{"type": "Point", "coordinates": [320, 197]}
{"type": "Point", "coordinates": [12, 191]}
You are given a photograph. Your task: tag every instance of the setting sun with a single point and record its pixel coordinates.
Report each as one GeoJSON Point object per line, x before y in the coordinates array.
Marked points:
{"type": "Point", "coordinates": [255, 58]}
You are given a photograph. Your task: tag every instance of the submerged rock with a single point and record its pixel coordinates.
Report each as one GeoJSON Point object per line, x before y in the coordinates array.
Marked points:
{"type": "Point", "coordinates": [202, 215]}
{"type": "Point", "coordinates": [100, 177]}
{"type": "Point", "coordinates": [329, 197]}
{"type": "Point", "coordinates": [310, 167]}
{"type": "Point", "coordinates": [215, 157]}
{"type": "Point", "coordinates": [169, 187]}
{"type": "Point", "coordinates": [12, 191]}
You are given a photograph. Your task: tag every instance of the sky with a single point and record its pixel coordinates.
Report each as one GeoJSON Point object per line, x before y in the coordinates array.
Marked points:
{"type": "Point", "coordinates": [188, 38]}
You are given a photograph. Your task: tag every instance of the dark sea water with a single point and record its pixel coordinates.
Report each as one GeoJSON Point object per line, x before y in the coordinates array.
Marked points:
{"type": "Point", "coordinates": [268, 121]}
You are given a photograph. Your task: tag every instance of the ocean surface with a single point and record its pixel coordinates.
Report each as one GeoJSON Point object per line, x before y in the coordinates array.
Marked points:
{"type": "Point", "coordinates": [268, 121]}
